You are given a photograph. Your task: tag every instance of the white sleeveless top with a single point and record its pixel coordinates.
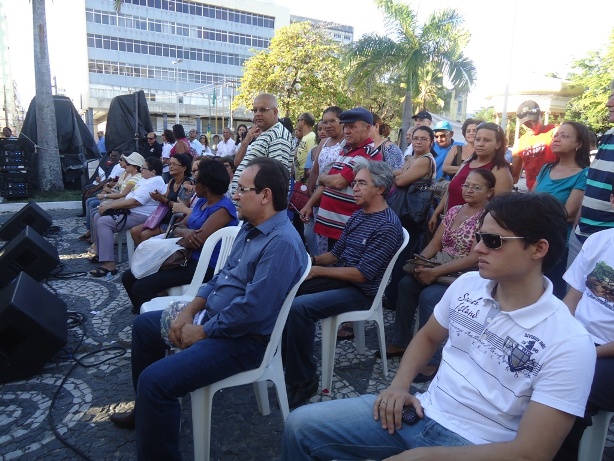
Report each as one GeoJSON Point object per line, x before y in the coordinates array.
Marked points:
{"type": "Point", "coordinates": [328, 154]}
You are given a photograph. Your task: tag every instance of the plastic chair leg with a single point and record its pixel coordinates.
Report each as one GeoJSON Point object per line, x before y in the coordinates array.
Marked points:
{"type": "Point", "coordinates": [129, 245]}
{"type": "Point", "coordinates": [329, 343]}
{"type": "Point", "coordinates": [201, 423]}
{"type": "Point", "coordinates": [262, 397]}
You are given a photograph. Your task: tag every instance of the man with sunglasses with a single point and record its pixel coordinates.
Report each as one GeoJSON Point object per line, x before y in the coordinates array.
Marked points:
{"type": "Point", "coordinates": [153, 148]}
{"type": "Point", "coordinates": [270, 138]}
{"type": "Point", "coordinates": [443, 143]}
{"type": "Point", "coordinates": [532, 151]}
{"type": "Point", "coordinates": [516, 369]}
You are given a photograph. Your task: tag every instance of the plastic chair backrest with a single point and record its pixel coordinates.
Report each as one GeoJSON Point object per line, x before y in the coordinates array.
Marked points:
{"type": "Point", "coordinates": [227, 236]}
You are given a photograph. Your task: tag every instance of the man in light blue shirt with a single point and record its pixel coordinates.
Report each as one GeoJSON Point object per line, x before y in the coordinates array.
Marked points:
{"type": "Point", "coordinates": [102, 148]}
{"type": "Point", "coordinates": [241, 305]}
{"type": "Point", "coordinates": [443, 143]}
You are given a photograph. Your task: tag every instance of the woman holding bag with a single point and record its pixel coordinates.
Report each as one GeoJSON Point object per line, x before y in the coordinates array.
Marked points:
{"type": "Point", "coordinates": [417, 170]}
{"type": "Point", "coordinates": [454, 241]}
{"type": "Point", "coordinates": [211, 212]}
{"type": "Point", "coordinates": [180, 168]}
{"type": "Point", "coordinates": [122, 214]}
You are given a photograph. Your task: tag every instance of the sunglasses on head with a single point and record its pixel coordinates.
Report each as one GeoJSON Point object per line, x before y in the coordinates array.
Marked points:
{"type": "Point", "coordinates": [493, 241]}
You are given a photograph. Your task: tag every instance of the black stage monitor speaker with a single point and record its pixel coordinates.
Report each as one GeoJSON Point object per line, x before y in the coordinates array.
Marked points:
{"type": "Point", "coordinates": [28, 252]}
{"type": "Point", "coordinates": [30, 215]}
{"type": "Point", "coordinates": [33, 327]}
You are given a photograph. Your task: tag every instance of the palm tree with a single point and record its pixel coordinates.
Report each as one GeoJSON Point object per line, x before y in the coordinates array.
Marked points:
{"type": "Point", "coordinates": [408, 47]}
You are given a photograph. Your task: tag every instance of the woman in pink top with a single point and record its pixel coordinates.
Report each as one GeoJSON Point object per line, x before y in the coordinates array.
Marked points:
{"type": "Point", "coordinates": [490, 146]}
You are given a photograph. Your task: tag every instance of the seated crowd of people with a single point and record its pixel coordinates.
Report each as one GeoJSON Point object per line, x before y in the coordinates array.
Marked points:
{"type": "Point", "coordinates": [482, 307]}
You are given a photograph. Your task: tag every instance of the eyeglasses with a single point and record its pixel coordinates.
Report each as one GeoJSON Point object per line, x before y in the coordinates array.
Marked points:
{"type": "Point", "coordinates": [329, 122]}
{"type": "Point", "coordinates": [262, 110]}
{"type": "Point", "coordinates": [359, 183]}
{"type": "Point", "coordinates": [442, 135]}
{"type": "Point", "coordinates": [493, 241]}
{"type": "Point", "coordinates": [472, 187]}
{"type": "Point", "coordinates": [558, 134]}
{"type": "Point", "coordinates": [414, 139]}
{"type": "Point", "coordinates": [242, 190]}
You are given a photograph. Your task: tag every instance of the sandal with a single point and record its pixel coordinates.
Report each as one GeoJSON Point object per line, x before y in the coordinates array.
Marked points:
{"type": "Point", "coordinates": [345, 332]}
{"type": "Point", "coordinates": [87, 236]}
{"type": "Point", "coordinates": [93, 259]}
{"type": "Point", "coordinates": [391, 351]}
{"type": "Point", "coordinates": [102, 271]}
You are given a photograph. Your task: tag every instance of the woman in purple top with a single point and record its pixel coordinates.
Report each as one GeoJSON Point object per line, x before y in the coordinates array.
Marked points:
{"type": "Point", "coordinates": [211, 212]}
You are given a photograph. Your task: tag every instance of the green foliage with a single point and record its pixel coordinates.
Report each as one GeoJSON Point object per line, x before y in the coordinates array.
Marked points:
{"type": "Point", "coordinates": [301, 68]}
{"type": "Point", "coordinates": [485, 113]}
{"type": "Point", "coordinates": [419, 56]}
{"type": "Point", "coordinates": [593, 73]}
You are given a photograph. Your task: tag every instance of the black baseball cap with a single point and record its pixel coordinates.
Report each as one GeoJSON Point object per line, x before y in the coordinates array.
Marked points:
{"type": "Point", "coordinates": [423, 114]}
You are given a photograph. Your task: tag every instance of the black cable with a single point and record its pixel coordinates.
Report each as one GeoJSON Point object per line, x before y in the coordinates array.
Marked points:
{"type": "Point", "coordinates": [77, 320]}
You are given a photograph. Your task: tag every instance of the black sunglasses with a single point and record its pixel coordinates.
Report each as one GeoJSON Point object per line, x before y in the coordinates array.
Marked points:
{"type": "Point", "coordinates": [493, 241]}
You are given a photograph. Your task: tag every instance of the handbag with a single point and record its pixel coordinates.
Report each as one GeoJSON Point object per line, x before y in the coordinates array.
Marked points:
{"type": "Point", "coordinates": [115, 212]}
{"type": "Point", "coordinates": [440, 258]}
{"type": "Point", "coordinates": [179, 258]}
{"type": "Point", "coordinates": [299, 197]}
{"type": "Point", "coordinates": [149, 256]}
{"type": "Point", "coordinates": [156, 217]}
{"type": "Point", "coordinates": [412, 203]}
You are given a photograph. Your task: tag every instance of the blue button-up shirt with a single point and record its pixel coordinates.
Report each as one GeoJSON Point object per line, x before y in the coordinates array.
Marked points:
{"type": "Point", "coordinates": [246, 295]}
{"type": "Point", "coordinates": [101, 146]}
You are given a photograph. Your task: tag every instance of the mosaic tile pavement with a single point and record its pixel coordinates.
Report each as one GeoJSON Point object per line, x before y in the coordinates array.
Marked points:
{"type": "Point", "coordinates": [102, 384]}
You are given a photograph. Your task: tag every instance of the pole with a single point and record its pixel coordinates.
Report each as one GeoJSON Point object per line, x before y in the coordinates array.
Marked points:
{"type": "Point", "coordinates": [6, 109]}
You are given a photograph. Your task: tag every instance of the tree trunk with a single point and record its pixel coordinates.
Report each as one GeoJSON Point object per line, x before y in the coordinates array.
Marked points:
{"type": "Point", "coordinates": [47, 159]}
{"type": "Point", "coordinates": [406, 118]}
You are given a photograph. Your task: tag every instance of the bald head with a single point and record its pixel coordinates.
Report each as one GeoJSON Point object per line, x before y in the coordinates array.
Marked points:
{"type": "Point", "coordinates": [265, 111]}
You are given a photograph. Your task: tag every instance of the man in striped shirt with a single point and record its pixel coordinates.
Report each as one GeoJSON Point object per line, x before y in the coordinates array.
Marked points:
{"type": "Point", "coordinates": [270, 138]}
{"type": "Point", "coordinates": [596, 213]}
{"type": "Point", "coordinates": [337, 202]}
{"type": "Point", "coordinates": [344, 279]}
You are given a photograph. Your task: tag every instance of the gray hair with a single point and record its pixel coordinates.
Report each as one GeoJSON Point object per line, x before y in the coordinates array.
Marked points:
{"type": "Point", "coordinates": [381, 173]}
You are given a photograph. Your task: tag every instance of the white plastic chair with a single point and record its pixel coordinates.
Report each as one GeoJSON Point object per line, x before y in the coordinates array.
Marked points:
{"type": "Point", "coordinates": [188, 292]}
{"type": "Point", "coordinates": [593, 440]}
{"type": "Point", "coordinates": [331, 324]}
{"type": "Point", "coordinates": [271, 369]}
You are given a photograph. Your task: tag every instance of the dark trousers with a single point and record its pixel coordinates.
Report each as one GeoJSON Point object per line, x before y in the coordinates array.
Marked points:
{"type": "Point", "coordinates": [159, 381]}
{"type": "Point", "coordinates": [142, 290]}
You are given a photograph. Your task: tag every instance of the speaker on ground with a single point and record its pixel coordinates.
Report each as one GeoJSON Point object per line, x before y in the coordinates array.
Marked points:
{"type": "Point", "coordinates": [28, 252]}
{"type": "Point", "coordinates": [30, 215]}
{"type": "Point", "coordinates": [33, 328]}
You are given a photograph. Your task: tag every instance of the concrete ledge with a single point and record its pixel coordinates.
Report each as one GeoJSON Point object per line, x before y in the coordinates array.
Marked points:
{"type": "Point", "coordinates": [8, 207]}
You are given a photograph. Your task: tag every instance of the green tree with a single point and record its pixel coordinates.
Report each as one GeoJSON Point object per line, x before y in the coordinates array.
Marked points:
{"type": "Point", "coordinates": [593, 73]}
{"type": "Point", "coordinates": [301, 68]}
{"type": "Point", "coordinates": [407, 47]}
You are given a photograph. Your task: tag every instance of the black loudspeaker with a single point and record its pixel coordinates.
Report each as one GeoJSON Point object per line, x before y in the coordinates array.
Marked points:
{"type": "Point", "coordinates": [33, 327]}
{"type": "Point", "coordinates": [30, 215]}
{"type": "Point", "coordinates": [28, 252]}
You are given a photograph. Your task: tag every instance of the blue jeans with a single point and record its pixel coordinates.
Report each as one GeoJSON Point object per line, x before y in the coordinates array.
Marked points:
{"type": "Point", "coordinates": [299, 335]}
{"type": "Point", "coordinates": [90, 204]}
{"type": "Point", "coordinates": [411, 296]}
{"type": "Point", "coordinates": [345, 429]}
{"type": "Point", "coordinates": [159, 381]}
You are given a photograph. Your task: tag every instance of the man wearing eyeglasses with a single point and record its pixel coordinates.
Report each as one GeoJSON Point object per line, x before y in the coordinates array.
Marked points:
{"type": "Point", "coordinates": [270, 138]}
{"type": "Point", "coordinates": [443, 143]}
{"type": "Point", "coordinates": [516, 369]}
{"type": "Point", "coordinates": [153, 148]}
{"type": "Point", "coordinates": [532, 151]}
{"type": "Point", "coordinates": [344, 279]}
{"type": "Point", "coordinates": [226, 328]}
